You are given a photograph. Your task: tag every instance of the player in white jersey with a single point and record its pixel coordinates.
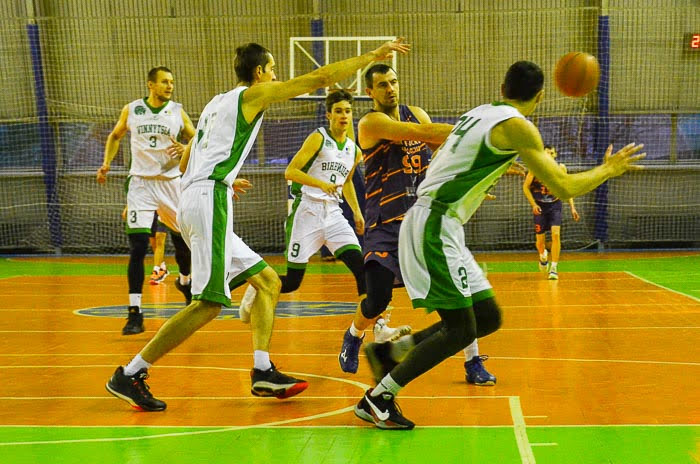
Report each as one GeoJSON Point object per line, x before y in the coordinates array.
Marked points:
{"type": "Point", "coordinates": [155, 123]}
{"type": "Point", "coordinates": [226, 132]}
{"type": "Point", "coordinates": [435, 263]}
{"type": "Point", "coordinates": [320, 173]}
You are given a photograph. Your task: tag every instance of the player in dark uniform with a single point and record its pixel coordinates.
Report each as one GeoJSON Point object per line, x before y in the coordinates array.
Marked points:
{"type": "Point", "coordinates": [396, 142]}
{"type": "Point", "coordinates": [547, 213]}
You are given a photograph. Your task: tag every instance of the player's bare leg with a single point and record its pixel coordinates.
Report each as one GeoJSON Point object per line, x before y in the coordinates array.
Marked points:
{"type": "Point", "coordinates": [556, 251]}
{"type": "Point", "coordinates": [542, 250]}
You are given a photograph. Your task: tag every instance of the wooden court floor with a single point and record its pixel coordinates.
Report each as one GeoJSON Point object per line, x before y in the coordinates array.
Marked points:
{"type": "Point", "coordinates": [600, 366]}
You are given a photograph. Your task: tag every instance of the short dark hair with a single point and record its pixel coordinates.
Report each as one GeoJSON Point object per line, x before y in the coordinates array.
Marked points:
{"type": "Point", "coordinates": [549, 147]}
{"type": "Point", "coordinates": [336, 96]}
{"type": "Point", "coordinates": [523, 80]}
{"type": "Point", "coordinates": [380, 68]}
{"type": "Point", "coordinates": [153, 73]}
{"type": "Point", "coordinates": [249, 57]}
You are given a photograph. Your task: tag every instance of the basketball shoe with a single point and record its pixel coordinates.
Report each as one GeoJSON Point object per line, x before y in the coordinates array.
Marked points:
{"type": "Point", "coordinates": [274, 383]}
{"type": "Point", "coordinates": [384, 333]}
{"type": "Point", "coordinates": [134, 323]}
{"type": "Point", "coordinates": [349, 353]}
{"type": "Point", "coordinates": [159, 275]}
{"type": "Point", "coordinates": [383, 411]}
{"type": "Point", "coordinates": [134, 390]}
{"type": "Point", "coordinates": [477, 374]}
{"type": "Point", "coordinates": [553, 275]}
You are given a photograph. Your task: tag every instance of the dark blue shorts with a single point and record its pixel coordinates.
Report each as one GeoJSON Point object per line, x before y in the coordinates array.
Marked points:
{"type": "Point", "coordinates": [551, 216]}
{"type": "Point", "coordinates": [382, 245]}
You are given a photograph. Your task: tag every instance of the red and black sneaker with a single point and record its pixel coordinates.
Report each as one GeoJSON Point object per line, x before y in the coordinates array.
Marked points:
{"type": "Point", "coordinates": [274, 383]}
{"type": "Point", "coordinates": [134, 390]}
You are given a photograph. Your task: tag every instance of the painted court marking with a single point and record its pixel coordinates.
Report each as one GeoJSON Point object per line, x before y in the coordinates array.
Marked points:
{"type": "Point", "coordinates": [519, 426]}
{"type": "Point", "coordinates": [664, 287]}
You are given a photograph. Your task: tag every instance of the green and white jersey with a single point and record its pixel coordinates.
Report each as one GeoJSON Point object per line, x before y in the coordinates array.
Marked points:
{"type": "Point", "coordinates": [222, 141]}
{"type": "Point", "coordinates": [331, 163]}
{"type": "Point", "coordinates": [151, 129]}
{"type": "Point", "coordinates": [468, 165]}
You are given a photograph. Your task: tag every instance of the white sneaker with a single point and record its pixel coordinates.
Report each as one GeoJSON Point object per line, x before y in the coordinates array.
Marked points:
{"type": "Point", "coordinates": [384, 333]}
{"type": "Point", "coordinates": [246, 304]}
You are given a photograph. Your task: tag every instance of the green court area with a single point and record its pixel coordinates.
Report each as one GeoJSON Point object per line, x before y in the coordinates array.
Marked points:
{"type": "Point", "coordinates": [677, 273]}
{"type": "Point", "coordinates": [344, 445]}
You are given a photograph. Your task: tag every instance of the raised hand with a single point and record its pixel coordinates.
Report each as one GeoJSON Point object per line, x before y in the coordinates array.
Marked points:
{"type": "Point", "coordinates": [624, 159]}
{"type": "Point", "coordinates": [387, 50]}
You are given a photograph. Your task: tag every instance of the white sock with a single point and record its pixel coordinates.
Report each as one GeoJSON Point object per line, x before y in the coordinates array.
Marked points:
{"type": "Point", "coordinates": [156, 268]}
{"type": "Point", "coordinates": [184, 279]}
{"type": "Point", "coordinates": [136, 365]}
{"type": "Point", "coordinates": [386, 385]}
{"type": "Point", "coordinates": [543, 256]}
{"type": "Point", "coordinates": [135, 300]}
{"type": "Point", "coordinates": [472, 350]}
{"type": "Point", "coordinates": [163, 265]}
{"type": "Point", "coordinates": [354, 332]}
{"type": "Point", "coordinates": [261, 360]}
{"type": "Point", "coordinates": [553, 266]}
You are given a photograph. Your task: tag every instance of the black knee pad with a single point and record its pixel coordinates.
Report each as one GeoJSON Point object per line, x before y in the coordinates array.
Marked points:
{"type": "Point", "coordinates": [380, 287]}
{"type": "Point", "coordinates": [354, 261]}
{"type": "Point", "coordinates": [292, 280]}
{"type": "Point", "coordinates": [183, 257]}
{"type": "Point", "coordinates": [489, 316]}
{"type": "Point", "coordinates": [138, 246]}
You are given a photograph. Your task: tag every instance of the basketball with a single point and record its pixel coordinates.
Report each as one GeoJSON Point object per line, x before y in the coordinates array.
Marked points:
{"type": "Point", "coordinates": [576, 74]}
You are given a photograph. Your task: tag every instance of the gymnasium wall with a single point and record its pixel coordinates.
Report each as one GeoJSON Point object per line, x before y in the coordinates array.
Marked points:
{"type": "Point", "coordinates": [95, 56]}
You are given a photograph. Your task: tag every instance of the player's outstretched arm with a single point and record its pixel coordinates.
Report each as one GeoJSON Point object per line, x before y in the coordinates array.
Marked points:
{"type": "Point", "coordinates": [521, 135]}
{"type": "Point", "coordinates": [112, 145]}
{"type": "Point", "coordinates": [379, 126]}
{"type": "Point", "coordinates": [259, 96]}
{"type": "Point", "coordinates": [294, 171]}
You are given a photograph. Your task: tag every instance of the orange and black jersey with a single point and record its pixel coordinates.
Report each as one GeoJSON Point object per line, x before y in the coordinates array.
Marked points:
{"type": "Point", "coordinates": [541, 193]}
{"type": "Point", "coordinates": [393, 171]}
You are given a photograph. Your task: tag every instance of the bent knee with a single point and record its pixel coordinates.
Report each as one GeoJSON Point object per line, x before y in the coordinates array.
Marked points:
{"type": "Point", "coordinates": [267, 281]}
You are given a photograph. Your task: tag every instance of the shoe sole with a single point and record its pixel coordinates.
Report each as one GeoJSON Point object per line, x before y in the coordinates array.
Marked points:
{"type": "Point", "coordinates": [129, 400]}
{"type": "Point", "coordinates": [132, 332]}
{"type": "Point", "coordinates": [364, 415]}
{"type": "Point", "coordinates": [482, 384]}
{"type": "Point", "coordinates": [279, 392]}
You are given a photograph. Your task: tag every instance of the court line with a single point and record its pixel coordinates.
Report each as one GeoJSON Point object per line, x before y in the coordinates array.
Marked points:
{"type": "Point", "coordinates": [511, 329]}
{"type": "Point", "coordinates": [210, 431]}
{"type": "Point", "coordinates": [508, 358]}
{"type": "Point", "coordinates": [664, 287]}
{"type": "Point", "coordinates": [520, 430]}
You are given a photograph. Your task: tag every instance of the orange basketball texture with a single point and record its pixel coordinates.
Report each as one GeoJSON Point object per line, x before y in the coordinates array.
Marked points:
{"type": "Point", "coordinates": [576, 74]}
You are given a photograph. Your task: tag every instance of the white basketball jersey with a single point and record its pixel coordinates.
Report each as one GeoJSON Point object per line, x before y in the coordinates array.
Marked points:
{"type": "Point", "coordinates": [468, 165]}
{"type": "Point", "coordinates": [332, 163]}
{"type": "Point", "coordinates": [151, 129]}
{"type": "Point", "coordinates": [222, 141]}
